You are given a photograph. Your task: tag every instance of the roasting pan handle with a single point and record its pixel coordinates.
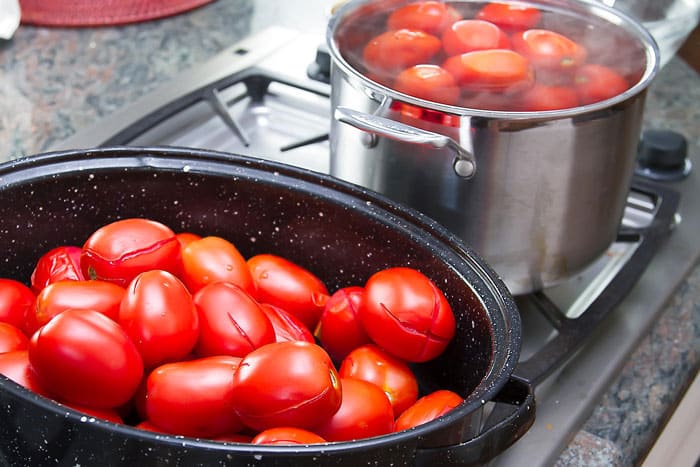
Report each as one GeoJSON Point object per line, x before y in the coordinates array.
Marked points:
{"type": "Point", "coordinates": [512, 416]}
{"type": "Point", "coordinates": [464, 164]}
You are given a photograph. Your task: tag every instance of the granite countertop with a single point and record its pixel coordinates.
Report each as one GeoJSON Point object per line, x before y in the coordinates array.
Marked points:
{"type": "Point", "coordinates": [55, 81]}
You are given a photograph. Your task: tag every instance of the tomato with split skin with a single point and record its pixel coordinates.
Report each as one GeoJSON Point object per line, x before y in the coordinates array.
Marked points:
{"type": "Point", "coordinates": [340, 330]}
{"type": "Point", "coordinates": [57, 264]}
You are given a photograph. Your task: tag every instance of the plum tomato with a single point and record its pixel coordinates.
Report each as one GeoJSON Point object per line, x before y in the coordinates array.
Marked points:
{"type": "Point", "coordinates": [15, 366]}
{"type": "Point", "coordinates": [468, 35]}
{"type": "Point", "coordinates": [365, 411]}
{"type": "Point", "coordinates": [194, 397]}
{"type": "Point", "coordinates": [391, 375]}
{"type": "Point", "coordinates": [431, 17]}
{"type": "Point", "coordinates": [429, 82]}
{"type": "Point", "coordinates": [510, 16]}
{"type": "Point", "coordinates": [84, 357]}
{"type": "Point", "coordinates": [396, 50]}
{"type": "Point", "coordinates": [280, 282]}
{"type": "Point", "coordinates": [286, 384]}
{"type": "Point", "coordinates": [340, 330]}
{"type": "Point", "coordinates": [428, 408]}
{"type": "Point", "coordinates": [119, 251]}
{"type": "Point", "coordinates": [16, 304]}
{"type": "Point", "coordinates": [549, 50]}
{"type": "Point", "coordinates": [213, 259]}
{"type": "Point", "coordinates": [12, 338]}
{"type": "Point", "coordinates": [60, 263]}
{"type": "Point", "coordinates": [287, 435]}
{"type": "Point", "coordinates": [185, 238]}
{"type": "Point", "coordinates": [287, 326]}
{"type": "Point", "coordinates": [542, 98]}
{"type": "Point", "coordinates": [231, 322]}
{"type": "Point", "coordinates": [159, 315]}
{"type": "Point", "coordinates": [594, 83]}
{"type": "Point", "coordinates": [405, 313]}
{"type": "Point", "coordinates": [97, 295]}
{"type": "Point", "coordinates": [493, 70]}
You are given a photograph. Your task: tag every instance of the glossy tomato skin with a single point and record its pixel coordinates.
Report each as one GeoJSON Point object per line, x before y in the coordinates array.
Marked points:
{"type": "Point", "coordinates": [428, 408]}
{"type": "Point", "coordinates": [395, 50]}
{"type": "Point", "coordinates": [16, 303]}
{"type": "Point", "coordinates": [12, 338]}
{"type": "Point", "coordinates": [594, 83]}
{"type": "Point", "coordinates": [364, 412]}
{"type": "Point", "coordinates": [286, 384]}
{"type": "Point", "coordinates": [231, 322]}
{"type": "Point", "coordinates": [431, 17]}
{"type": "Point", "coordinates": [468, 35]}
{"type": "Point", "coordinates": [97, 295]}
{"type": "Point", "coordinates": [511, 17]}
{"type": "Point", "coordinates": [549, 50]}
{"type": "Point", "coordinates": [119, 251]}
{"type": "Point", "coordinates": [393, 376]}
{"type": "Point", "coordinates": [159, 315]}
{"type": "Point", "coordinates": [214, 259]}
{"type": "Point", "coordinates": [543, 98]}
{"type": "Point", "coordinates": [60, 263]}
{"type": "Point", "coordinates": [340, 330]}
{"type": "Point", "coordinates": [494, 70]}
{"type": "Point", "coordinates": [85, 358]}
{"type": "Point", "coordinates": [406, 314]}
{"type": "Point", "coordinates": [285, 284]}
{"type": "Point", "coordinates": [193, 398]}
{"type": "Point", "coordinates": [286, 436]}
{"type": "Point", "coordinates": [287, 326]}
{"type": "Point", "coordinates": [15, 366]}
{"type": "Point", "coordinates": [429, 82]}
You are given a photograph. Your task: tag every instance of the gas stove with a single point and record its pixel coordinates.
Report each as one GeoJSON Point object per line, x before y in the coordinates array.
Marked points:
{"type": "Point", "coordinates": [256, 98]}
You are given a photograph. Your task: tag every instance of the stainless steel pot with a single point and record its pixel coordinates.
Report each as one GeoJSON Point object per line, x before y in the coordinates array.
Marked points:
{"type": "Point", "coordinates": [540, 195]}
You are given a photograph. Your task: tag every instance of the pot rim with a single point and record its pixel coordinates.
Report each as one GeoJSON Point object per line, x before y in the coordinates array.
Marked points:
{"type": "Point", "coordinates": [378, 91]}
{"type": "Point", "coordinates": [198, 161]}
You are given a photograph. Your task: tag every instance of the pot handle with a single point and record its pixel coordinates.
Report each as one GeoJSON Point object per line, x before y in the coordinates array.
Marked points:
{"type": "Point", "coordinates": [512, 416]}
{"type": "Point", "coordinates": [464, 163]}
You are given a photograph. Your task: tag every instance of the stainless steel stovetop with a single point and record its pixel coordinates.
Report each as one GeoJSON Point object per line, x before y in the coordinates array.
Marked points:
{"type": "Point", "coordinates": [210, 107]}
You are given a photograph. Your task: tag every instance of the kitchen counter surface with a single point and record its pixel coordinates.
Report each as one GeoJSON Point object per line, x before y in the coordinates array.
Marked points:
{"type": "Point", "coordinates": [55, 81]}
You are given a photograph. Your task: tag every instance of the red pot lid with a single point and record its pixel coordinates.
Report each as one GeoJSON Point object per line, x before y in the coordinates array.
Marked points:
{"type": "Point", "coordinates": [76, 13]}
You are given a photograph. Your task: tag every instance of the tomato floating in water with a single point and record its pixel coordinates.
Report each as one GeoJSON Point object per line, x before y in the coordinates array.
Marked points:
{"type": "Point", "coordinates": [494, 70]}
{"type": "Point", "coordinates": [431, 17]}
{"type": "Point", "coordinates": [543, 98]}
{"type": "Point", "coordinates": [595, 83]}
{"type": "Point", "coordinates": [549, 50]}
{"type": "Point", "coordinates": [396, 50]}
{"type": "Point", "coordinates": [429, 82]}
{"type": "Point", "coordinates": [468, 35]}
{"type": "Point", "coordinates": [510, 16]}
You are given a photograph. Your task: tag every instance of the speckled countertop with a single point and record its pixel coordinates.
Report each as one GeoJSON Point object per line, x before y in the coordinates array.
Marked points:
{"type": "Point", "coordinates": [54, 82]}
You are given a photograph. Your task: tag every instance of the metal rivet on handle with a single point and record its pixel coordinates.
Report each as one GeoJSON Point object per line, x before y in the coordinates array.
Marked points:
{"type": "Point", "coordinates": [463, 167]}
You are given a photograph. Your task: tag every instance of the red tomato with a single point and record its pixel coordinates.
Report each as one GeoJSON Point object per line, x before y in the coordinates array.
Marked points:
{"type": "Point", "coordinates": [287, 285]}
{"type": "Point", "coordinates": [429, 82]}
{"type": "Point", "coordinates": [286, 384]}
{"type": "Point", "coordinates": [488, 101]}
{"type": "Point", "coordinates": [406, 314]}
{"type": "Point", "coordinates": [15, 366]}
{"type": "Point", "coordinates": [468, 35]}
{"type": "Point", "coordinates": [185, 238]}
{"type": "Point", "coordinates": [510, 16]}
{"type": "Point", "coordinates": [427, 408]}
{"type": "Point", "coordinates": [549, 50]}
{"type": "Point", "coordinates": [119, 251]}
{"type": "Point", "coordinates": [60, 263]}
{"type": "Point", "coordinates": [364, 412]}
{"type": "Point", "coordinates": [340, 330]}
{"type": "Point", "coordinates": [231, 322]}
{"type": "Point", "coordinates": [16, 304]}
{"type": "Point", "coordinates": [159, 315]}
{"type": "Point", "coordinates": [86, 358]}
{"type": "Point", "coordinates": [428, 16]}
{"type": "Point", "coordinates": [287, 435]}
{"type": "Point", "coordinates": [193, 398]}
{"type": "Point", "coordinates": [12, 338]}
{"type": "Point", "coordinates": [110, 415]}
{"type": "Point", "coordinates": [213, 259]}
{"type": "Point", "coordinates": [97, 295]}
{"type": "Point", "coordinates": [287, 326]}
{"type": "Point", "coordinates": [492, 70]}
{"type": "Point", "coordinates": [148, 426]}
{"type": "Point", "coordinates": [391, 375]}
{"type": "Point", "coordinates": [393, 51]}
{"type": "Point", "coordinates": [543, 98]}
{"type": "Point", "coordinates": [594, 83]}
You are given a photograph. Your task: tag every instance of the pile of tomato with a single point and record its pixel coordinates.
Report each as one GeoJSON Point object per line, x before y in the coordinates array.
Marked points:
{"type": "Point", "coordinates": [502, 57]}
{"type": "Point", "coordinates": [179, 333]}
